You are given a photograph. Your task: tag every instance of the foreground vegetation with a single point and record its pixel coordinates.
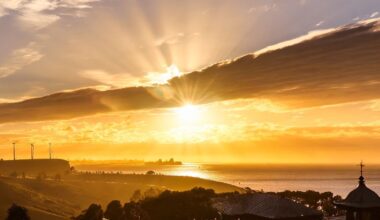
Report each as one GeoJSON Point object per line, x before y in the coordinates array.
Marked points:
{"type": "Point", "coordinates": [174, 205]}
{"type": "Point", "coordinates": [193, 204]}
{"type": "Point", "coordinates": [58, 197]}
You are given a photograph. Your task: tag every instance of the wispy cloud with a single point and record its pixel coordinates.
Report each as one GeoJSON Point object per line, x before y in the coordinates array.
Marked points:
{"type": "Point", "coordinates": [375, 14]}
{"type": "Point", "coordinates": [319, 23]}
{"type": "Point", "coordinates": [19, 59]}
{"type": "Point", "coordinates": [175, 39]}
{"type": "Point", "coordinates": [374, 106]}
{"type": "Point", "coordinates": [115, 80]}
{"type": "Point", "coordinates": [37, 20]}
{"type": "Point", "coordinates": [263, 8]}
{"type": "Point", "coordinates": [122, 80]}
{"type": "Point", "coordinates": [80, 4]}
{"type": "Point", "coordinates": [38, 14]}
{"type": "Point", "coordinates": [2, 12]}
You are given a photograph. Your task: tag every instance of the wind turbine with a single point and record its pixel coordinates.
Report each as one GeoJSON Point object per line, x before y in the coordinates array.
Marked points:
{"type": "Point", "coordinates": [32, 151]}
{"type": "Point", "coordinates": [14, 151]}
{"type": "Point", "coordinates": [50, 151]}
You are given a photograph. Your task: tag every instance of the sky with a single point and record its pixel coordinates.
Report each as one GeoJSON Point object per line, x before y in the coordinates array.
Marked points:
{"type": "Point", "coordinates": [217, 81]}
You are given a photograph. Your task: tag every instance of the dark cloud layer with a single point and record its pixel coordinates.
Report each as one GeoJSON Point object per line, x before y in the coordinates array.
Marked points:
{"type": "Point", "coordinates": [337, 67]}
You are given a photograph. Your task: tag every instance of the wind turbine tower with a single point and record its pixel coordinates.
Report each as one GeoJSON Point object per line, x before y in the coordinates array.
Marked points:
{"type": "Point", "coordinates": [14, 151]}
{"type": "Point", "coordinates": [32, 151]}
{"type": "Point", "coordinates": [50, 151]}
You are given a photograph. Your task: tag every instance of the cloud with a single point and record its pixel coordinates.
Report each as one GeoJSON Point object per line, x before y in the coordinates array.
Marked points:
{"type": "Point", "coordinates": [37, 20]}
{"type": "Point", "coordinates": [263, 8]}
{"type": "Point", "coordinates": [19, 59]}
{"type": "Point", "coordinates": [121, 80]}
{"type": "Point", "coordinates": [12, 4]}
{"type": "Point", "coordinates": [115, 80]}
{"type": "Point", "coordinates": [319, 23]}
{"type": "Point", "coordinates": [261, 105]}
{"type": "Point", "coordinates": [374, 106]}
{"type": "Point", "coordinates": [77, 3]}
{"type": "Point", "coordinates": [375, 14]}
{"type": "Point", "coordinates": [2, 12]}
{"type": "Point", "coordinates": [118, 128]}
{"type": "Point", "coordinates": [175, 39]}
{"type": "Point", "coordinates": [38, 14]}
{"type": "Point", "coordinates": [153, 78]}
{"type": "Point", "coordinates": [294, 41]}
{"type": "Point", "coordinates": [338, 66]}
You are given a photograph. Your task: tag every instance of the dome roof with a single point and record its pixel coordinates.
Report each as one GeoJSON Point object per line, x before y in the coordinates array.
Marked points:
{"type": "Point", "coordinates": [361, 197]}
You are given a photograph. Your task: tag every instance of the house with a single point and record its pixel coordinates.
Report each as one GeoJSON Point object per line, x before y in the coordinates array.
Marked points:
{"type": "Point", "coordinates": [263, 206]}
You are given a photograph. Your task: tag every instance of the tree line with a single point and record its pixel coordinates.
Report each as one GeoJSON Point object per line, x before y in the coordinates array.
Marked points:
{"type": "Point", "coordinates": [185, 205]}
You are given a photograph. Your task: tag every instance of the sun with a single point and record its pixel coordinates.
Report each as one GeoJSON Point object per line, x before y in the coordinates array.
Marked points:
{"type": "Point", "coordinates": [188, 113]}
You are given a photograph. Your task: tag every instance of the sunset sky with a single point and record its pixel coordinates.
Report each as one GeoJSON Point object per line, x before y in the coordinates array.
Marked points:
{"type": "Point", "coordinates": [218, 81]}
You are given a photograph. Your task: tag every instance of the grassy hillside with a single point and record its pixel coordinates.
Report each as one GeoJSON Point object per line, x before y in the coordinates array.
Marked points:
{"type": "Point", "coordinates": [34, 167]}
{"type": "Point", "coordinates": [165, 181]}
{"type": "Point", "coordinates": [49, 199]}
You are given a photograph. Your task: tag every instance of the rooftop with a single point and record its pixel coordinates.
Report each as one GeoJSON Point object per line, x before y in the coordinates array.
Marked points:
{"type": "Point", "coordinates": [263, 205]}
{"type": "Point", "coordinates": [361, 197]}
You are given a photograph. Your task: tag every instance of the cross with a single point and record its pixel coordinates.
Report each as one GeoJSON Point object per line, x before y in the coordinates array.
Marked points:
{"type": "Point", "coordinates": [361, 168]}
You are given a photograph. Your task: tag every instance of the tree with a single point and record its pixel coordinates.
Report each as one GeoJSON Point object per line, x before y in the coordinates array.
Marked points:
{"type": "Point", "coordinates": [14, 174]}
{"type": "Point", "coordinates": [94, 212]}
{"type": "Point", "coordinates": [72, 169]}
{"type": "Point", "coordinates": [41, 176]}
{"type": "Point", "coordinates": [150, 172]}
{"type": "Point", "coordinates": [136, 196]}
{"type": "Point", "coordinates": [57, 177]}
{"type": "Point", "coordinates": [319, 201]}
{"type": "Point", "coordinates": [152, 192]}
{"type": "Point", "coordinates": [193, 204]}
{"type": "Point", "coordinates": [114, 210]}
{"type": "Point", "coordinates": [133, 211]}
{"type": "Point", "coordinates": [16, 212]}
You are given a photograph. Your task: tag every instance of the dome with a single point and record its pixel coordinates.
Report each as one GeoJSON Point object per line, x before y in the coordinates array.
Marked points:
{"type": "Point", "coordinates": [361, 197]}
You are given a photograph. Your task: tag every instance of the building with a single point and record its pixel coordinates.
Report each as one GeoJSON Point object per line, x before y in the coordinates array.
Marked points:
{"type": "Point", "coordinates": [263, 206]}
{"type": "Point", "coordinates": [362, 203]}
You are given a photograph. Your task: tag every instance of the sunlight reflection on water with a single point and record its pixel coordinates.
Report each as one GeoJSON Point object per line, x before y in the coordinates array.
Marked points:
{"type": "Point", "coordinates": [337, 179]}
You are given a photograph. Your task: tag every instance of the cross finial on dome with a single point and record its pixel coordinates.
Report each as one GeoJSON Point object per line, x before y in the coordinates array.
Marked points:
{"type": "Point", "coordinates": [361, 168]}
{"type": "Point", "coordinates": [361, 178]}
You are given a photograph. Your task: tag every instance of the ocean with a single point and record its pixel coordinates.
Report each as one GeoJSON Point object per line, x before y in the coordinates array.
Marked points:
{"type": "Point", "coordinates": [339, 179]}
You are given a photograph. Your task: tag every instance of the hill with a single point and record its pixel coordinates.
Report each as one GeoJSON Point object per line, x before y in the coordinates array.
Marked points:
{"type": "Point", "coordinates": [50, 199]}
{"type": "Point", "coordinates": [34, 167]}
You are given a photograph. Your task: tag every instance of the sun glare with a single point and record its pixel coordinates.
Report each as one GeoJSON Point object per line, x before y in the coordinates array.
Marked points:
{"type": "Point", "coordinates": [188, 113]}
{"type": "Point", "coordinates": [192, 173]}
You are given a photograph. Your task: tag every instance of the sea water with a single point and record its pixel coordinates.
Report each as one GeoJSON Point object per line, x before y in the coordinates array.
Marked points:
{"type": "Point", "coordinates": [339, 179]}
